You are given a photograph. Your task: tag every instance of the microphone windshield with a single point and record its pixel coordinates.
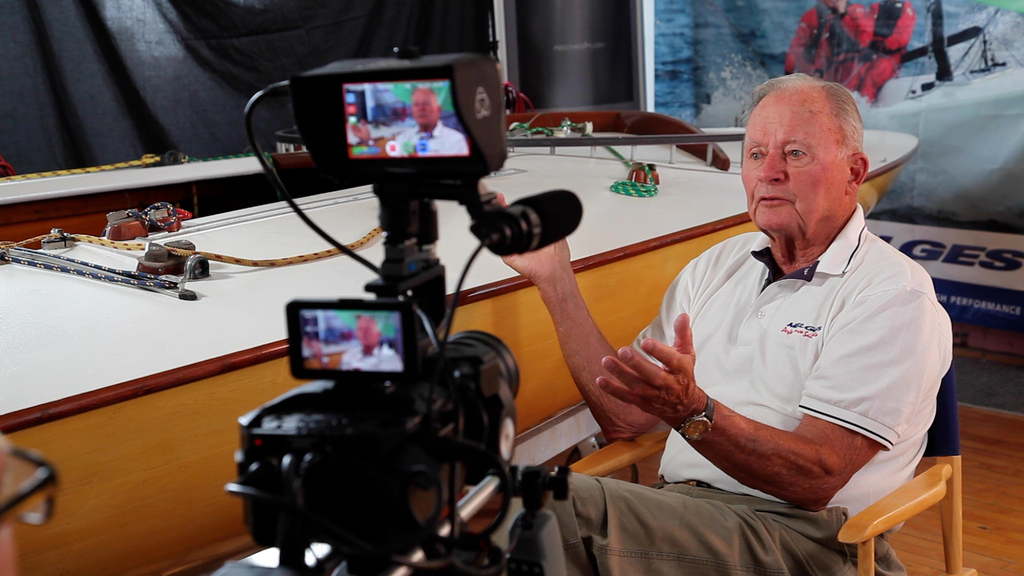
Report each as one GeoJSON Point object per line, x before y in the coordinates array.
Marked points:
{"type": "Point", "coordinates": [530, 223]}
{"type": "Point", "coordinates": [559, 212]}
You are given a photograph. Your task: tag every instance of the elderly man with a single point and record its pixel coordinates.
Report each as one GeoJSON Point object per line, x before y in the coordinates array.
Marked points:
{"type": "Point", "coordinates": [820, 353]}
{"type": "Point", "coordinates": [370, 355]}
{"type": "Point", "coordinates": [430, 137]}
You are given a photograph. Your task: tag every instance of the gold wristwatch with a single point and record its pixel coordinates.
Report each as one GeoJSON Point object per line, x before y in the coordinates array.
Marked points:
{"type": "Point", "coordinates": [697, 426]}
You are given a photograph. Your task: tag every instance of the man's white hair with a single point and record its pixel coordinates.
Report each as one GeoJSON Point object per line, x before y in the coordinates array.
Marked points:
{"type": "Point", "coordinates": [844, 109]}
{"type": "Point", "coordinates": [426, 88]}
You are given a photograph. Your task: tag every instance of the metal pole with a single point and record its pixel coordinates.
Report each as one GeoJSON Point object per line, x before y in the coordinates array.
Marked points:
{"type": "Point", "coordinates": [468, 506]}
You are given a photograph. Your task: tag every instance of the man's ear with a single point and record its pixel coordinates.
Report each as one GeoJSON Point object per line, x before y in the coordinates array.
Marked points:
{"type": "Point", "coordinates": [858, 171]}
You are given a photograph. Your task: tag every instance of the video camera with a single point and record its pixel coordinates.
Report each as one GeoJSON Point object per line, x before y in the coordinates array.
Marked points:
{"type": "Point", "coordinates": [371, 457]}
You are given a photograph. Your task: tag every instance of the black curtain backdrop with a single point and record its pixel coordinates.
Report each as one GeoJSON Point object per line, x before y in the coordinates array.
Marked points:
{"type": "Point", "coordinates": [91, 82]}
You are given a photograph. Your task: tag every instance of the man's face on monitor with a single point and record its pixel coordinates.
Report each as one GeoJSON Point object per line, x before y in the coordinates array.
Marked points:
{"type": "Point", "coordinates": [367, 332]}
{"type": "Point", "coordinates": [425, 108]}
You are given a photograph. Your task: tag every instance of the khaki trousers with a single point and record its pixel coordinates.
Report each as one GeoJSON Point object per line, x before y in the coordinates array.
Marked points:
{"type": "Point", "coordinates": [610, 527]}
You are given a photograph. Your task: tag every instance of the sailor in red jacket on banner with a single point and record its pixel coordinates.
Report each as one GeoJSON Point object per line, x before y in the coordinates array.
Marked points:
{"type": "Point", "coordinates": [829, 39]}
{"type": "Point", "coordinates": [880, 62]}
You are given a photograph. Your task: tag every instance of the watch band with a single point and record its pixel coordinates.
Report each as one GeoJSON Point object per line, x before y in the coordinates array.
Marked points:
{"type": "Point", "coordinates": [709, 410]}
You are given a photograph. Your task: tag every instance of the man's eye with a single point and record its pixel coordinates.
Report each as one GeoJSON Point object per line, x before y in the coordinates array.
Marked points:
{"type": "Point", "coordinates": [755, 155]}
{"type": "Point", "coordinates": [796, 154]}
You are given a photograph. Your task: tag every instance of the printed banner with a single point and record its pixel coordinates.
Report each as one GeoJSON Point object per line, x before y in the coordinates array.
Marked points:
{"type": "Point", "coordinates": [979, 276]}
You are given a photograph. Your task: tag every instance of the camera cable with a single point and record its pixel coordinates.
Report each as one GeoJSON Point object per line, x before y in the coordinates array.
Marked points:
{"type": "Point", "coordinates": [449, 317]}
{"type": "Point", "coordinates": [458, 449]}
{"type": "Point", "coordinates": [276, 89]}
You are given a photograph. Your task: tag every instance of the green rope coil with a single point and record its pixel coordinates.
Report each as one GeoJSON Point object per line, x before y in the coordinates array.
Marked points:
{"type": "Point", "coordinates": [630, 188]}
{"type": "Point", "coordinates": [635, 189]}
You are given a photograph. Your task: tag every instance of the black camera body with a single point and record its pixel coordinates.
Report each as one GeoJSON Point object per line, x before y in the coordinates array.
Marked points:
{"type": "Point", "coordinates": [368, 461]}
{"type": "Point", "coordinates": [383, 94]}
{"type": "Point", "coordinates": [366, 454]}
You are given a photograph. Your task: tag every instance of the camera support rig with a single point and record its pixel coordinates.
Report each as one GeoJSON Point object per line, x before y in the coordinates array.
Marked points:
{"type": "Point", "coordinates": [408, 217]}
{"type": "Point", "coordinates": [366, 459]}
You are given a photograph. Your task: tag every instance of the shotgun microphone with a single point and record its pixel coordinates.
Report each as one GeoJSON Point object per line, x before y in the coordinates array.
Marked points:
{"type": "Point", "coordinates": [530, 223]}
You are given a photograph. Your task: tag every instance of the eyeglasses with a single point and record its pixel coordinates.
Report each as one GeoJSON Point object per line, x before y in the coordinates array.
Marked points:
{"type": "Point", "coordinates": [27, 487]}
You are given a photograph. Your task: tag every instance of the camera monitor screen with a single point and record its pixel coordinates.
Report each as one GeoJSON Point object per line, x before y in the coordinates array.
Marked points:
{"type": "Point", "coordinates": [406, 119]}
{"type": "Point", "coordinates": [328, 339]}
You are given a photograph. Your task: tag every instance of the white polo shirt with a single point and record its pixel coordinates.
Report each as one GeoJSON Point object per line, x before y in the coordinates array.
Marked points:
{"type": "Point", "coordinates": [857, 339]}
{"type": "Point", "coordinates": [382, 359]}
{"type": "Point", "coordinates": [442, 141]}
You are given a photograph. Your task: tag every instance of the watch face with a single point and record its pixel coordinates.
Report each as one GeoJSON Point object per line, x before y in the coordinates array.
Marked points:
{"type": "Point", "coordinates": [696, 429]}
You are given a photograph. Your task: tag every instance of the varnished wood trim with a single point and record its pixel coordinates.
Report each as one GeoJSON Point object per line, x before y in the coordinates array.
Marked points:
{"type": "Point", "coordinates": [293, 160]}
{"type": "Point", "coordinates": [90, 204]}
{"type": "Point", "coordinates": [630, 122]}
{"type": "Point", "coordinates": [86, 213]}
{"type": "Point", "coordinates": [659, 242]}
{"type": "Point", "coordinates": [109, 395]}
{"type": "Point", "coordinates": [512, 284]}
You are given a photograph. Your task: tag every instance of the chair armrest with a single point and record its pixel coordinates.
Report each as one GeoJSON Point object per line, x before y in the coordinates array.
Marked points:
{"type": "Point", "coordinates": [898, 506]}
{"type": "Point", "coordinates": [618, 455]}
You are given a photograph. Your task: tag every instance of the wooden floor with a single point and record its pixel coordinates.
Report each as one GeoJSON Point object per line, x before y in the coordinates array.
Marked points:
{"type": "Point", "coordinates": [993, 457]}
{"type": "Point", "coordinates": [992, 443]}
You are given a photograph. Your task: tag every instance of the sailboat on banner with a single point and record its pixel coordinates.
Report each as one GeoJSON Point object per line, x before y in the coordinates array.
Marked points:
{"type": "Point", "coordinates": [968, 65]}
{"type": "Point", "coordinates": [968, 112]}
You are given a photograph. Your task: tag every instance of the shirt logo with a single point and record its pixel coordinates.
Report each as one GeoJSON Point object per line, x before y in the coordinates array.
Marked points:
{"type": "Point", "coordinates": [801, 329]}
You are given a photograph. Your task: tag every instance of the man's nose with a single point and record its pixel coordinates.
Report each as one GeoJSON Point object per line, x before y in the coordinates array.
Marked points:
{"type": "Point", "coordinates": [773, 170]}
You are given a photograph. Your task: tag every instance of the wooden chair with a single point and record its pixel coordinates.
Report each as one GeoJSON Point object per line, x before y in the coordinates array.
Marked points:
{"type": "Point", "coordinates": [941, 483]}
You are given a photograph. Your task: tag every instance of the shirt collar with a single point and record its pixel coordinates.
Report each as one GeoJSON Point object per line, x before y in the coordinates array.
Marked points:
{"type": "Point", "coordinates": [835, 260]}
{"type": "Point", "coordinates": [433, 132]}
{"type": "Point", "coordinates": [764, 255]}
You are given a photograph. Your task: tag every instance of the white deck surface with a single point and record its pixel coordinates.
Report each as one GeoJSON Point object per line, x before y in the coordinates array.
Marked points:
{"type": "Point", "coordinates": [62, 335]}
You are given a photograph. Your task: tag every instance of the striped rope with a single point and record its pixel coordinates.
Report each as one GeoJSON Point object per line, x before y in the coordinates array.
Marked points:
{"type": "Point", "coordinates": [145, 279]}
{"type": "Point", "coordinates": [521, 128]}
{"type": "Point", "coordinates": [257, 263]}
{"type": "Point", "coordinates": [139, 246]}
{"type": "Point", "coordinates": [103, 273]}
{"type": "Point", "coordinates": [146, 161]}
{"type": "Point", "coordinates": [147, 215]}
{"type": "Point", "coordinates": [635, 189]}
{"type": "Point", "coordinates": [4, 244]}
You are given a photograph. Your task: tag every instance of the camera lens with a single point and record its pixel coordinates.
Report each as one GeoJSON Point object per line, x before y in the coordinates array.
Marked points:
{"type": "Point", "coordinates": [507, 365]}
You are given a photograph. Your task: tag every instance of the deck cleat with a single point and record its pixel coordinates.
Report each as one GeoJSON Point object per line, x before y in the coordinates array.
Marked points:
{"type": "Point", "coordinates": [58, 241]}
{"type": "Point", "coordinates": [123, 226]}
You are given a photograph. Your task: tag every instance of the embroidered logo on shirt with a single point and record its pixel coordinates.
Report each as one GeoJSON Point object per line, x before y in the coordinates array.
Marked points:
{"type": "Point", "coordinates": [801, 329]}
